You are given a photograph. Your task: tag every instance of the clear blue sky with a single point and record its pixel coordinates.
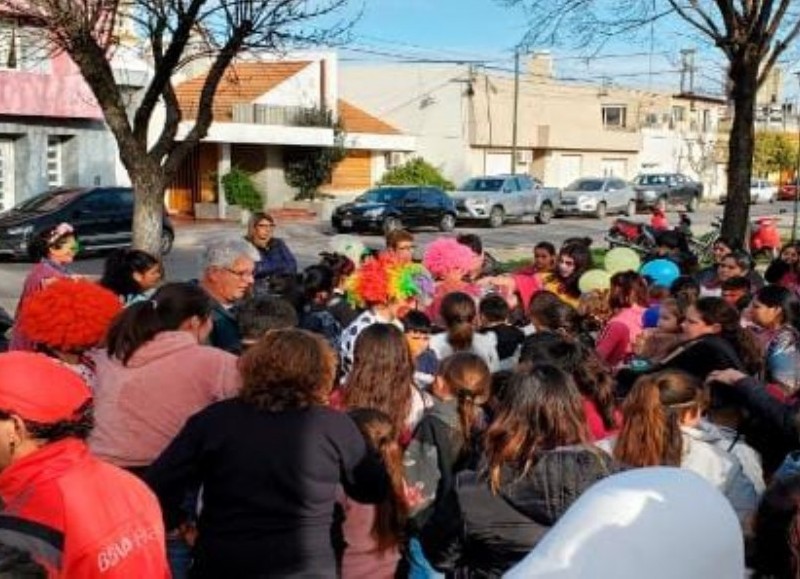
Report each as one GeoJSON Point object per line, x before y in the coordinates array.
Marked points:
{"type": "Point", "coordinates": [398, 30]}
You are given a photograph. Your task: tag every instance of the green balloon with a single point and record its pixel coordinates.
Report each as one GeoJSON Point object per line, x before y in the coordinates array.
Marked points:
{"type": "Point", "coordinates": [594, 279]}
{"type": "Point", "coordinates": [622, 259]}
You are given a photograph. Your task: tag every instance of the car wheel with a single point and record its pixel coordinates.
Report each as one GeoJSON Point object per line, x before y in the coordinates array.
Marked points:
{"type": "Point", "coordinates": [601, 210]}
{"type": "Point", "coordinates": [661, 204]}
{"type": "Point", "coordinates": [630, 211]}
{"type": "Point", "coordinates": [693, 204]}
{"type": "Point", "coordinates": [448, 222]}
{"type": "Point", "coordinates": [545, 213]}
{"type": "Point", "coordinates": [391, 224]}
{"type": "Point", "coordinates": [167, 239]}
{"type": "Point", "coordinates": [496, 217]}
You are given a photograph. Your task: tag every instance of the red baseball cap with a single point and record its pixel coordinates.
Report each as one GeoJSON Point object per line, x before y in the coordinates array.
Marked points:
{"type": "Point", "coordinates": [39, 389]}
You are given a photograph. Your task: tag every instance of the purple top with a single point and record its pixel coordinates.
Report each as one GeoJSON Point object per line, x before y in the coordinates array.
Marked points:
{"type": "Point", "coordinates": [35, 281]}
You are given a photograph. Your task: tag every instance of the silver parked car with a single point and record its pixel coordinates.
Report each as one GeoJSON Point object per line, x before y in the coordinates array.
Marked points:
{"type": "Point", "coordinates": [598, 196]}
{"type": "Point", "coordinates": [496, 198]}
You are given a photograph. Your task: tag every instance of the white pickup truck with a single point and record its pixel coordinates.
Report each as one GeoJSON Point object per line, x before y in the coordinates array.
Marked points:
{"type": "Point", "coordinates": [494, 199]}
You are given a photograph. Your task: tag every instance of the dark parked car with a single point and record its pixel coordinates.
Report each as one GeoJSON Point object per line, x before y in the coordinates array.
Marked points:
{"type": "Point", "coordinates": [787, 191]}
{"type": "Point", "coordinates": [102, 218]}
{"type": "Point", "coordinates": [662, 189]}
{"type": "Point", "coordinates": [388, 208]}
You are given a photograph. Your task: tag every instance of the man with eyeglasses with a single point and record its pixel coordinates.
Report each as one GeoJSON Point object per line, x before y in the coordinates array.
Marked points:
{"type": "Point", "coordinates": [227, 277]}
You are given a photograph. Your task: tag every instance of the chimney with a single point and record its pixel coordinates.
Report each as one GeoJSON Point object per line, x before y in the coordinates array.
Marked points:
{"type": "Point", "coordinates": [540, 66]}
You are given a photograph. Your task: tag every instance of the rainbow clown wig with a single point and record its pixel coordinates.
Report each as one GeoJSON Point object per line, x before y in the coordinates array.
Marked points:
{"type": "Point", "coordinates": [446, 256]}
{"type": "Point", "coordinates": [383, 279]}
{"type": "Point", "coordinates": [69, 315]}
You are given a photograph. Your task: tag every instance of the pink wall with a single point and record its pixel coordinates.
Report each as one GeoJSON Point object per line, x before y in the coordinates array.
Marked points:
{"type": "Point", "coordinates": [60, 93]}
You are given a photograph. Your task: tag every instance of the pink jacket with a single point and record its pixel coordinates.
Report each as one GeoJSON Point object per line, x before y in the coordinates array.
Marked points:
{"type": "Point", "coordinates": [617, 338]}
{"type": "Point", "coordinates": [139, 408]}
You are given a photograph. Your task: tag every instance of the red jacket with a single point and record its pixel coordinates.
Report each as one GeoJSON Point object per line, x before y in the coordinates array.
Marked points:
{"type": "Point", "coordinates": [81, 517]}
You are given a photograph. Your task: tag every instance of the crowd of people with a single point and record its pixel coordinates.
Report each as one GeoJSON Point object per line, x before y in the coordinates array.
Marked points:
{"type": "Point", "coordinates": [379, 416]}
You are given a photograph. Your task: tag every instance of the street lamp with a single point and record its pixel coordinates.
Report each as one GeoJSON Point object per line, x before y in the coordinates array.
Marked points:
{"type": "Point", "coordinates": [797, 171]}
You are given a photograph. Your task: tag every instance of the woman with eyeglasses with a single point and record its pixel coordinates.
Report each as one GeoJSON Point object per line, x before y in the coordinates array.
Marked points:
{"type": "Point", "coordinates": [53, 249]}
{"type": "Point", "coordinates": [275, 257]}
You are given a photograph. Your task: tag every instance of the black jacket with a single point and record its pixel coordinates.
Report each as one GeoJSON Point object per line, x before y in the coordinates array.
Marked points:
{"type": "Point", "coordinates": [269, 486]}
{"type": "Point", "coordinates": [698, 357]}
{"type": "Point", "coordinates": [485, 534]}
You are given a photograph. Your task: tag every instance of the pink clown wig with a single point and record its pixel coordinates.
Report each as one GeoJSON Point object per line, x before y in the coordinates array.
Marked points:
{"type": "Point", "coordinates": [447, 256]}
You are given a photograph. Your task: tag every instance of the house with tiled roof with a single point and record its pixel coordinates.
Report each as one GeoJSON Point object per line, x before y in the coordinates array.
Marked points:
{"type": "Point", "coordinates": [261, 111]}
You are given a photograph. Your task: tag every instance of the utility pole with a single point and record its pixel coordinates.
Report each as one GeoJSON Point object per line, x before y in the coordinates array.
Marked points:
{"type": "Point", "coordinates": [516, 113]}
{"type": "Point", "coordinates": [687, 66]}
{"type": "Point", "coordinates": [797, 171]}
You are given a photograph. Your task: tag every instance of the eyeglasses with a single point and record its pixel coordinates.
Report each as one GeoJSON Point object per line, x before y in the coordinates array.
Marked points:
{"type": "Point", "coordinates": [248, 274]}
{"type": "Point", "coordinates": [405, 248]}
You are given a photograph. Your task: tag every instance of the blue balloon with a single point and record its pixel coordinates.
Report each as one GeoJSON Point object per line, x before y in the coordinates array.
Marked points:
{"type": "Point", "coordinates": [662, 271]}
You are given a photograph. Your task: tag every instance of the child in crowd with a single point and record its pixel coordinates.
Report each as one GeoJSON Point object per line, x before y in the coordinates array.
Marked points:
{"type": "Point", "coordinates": [417, 328]}
{"type": "Point", "coordinates": [258, 315]}
{"type": "Point", "coordinates": [654, 344]}
{"type": "Point", "coordinates": [316, 317]}
{"type": "Point", "coordinates": [460, 316]}
{"type": "Point", "coordinates": [686, 289]}
{"type": "Point", "coordinates": [593, 313]}
{"type": "Point", "coordinates": [445, 441]}
{"type": "Point", "coordinates": [374, 533]}
{"type": "Point", "coordinates": [341, 266]}
{"type": "Point", "coordinates": [736, 291]}
{"type": "Point", "coordinates": [494, 313]}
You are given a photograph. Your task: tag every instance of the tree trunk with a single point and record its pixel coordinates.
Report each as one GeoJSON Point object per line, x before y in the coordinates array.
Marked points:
{"type": "Point", "coordinates": [744, 77]}
{"type": "Point", "coordinates": [148, 211]}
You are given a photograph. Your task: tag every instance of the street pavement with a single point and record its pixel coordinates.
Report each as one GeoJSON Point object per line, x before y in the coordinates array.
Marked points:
{"type": "Point", "coordinates": [308, 239]}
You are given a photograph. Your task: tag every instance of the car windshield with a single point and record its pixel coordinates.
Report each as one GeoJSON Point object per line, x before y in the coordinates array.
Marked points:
{"type": "Point", "coordinates": [652, 180]}
{"type": "Point", "coordinates": [586, 185]}
{"type": "Point", "coordinates": [482, 185]}
{"type": "Point", "coordinates": [48, 201]}
{"type": "Point", "coordinates": [381, 195]}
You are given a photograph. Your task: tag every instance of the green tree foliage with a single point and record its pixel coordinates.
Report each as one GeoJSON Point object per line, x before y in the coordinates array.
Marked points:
{"type": "Point", "coordinates": [774, 153]}
{"type": "Point", "coordinates": [308, 168]}
{"type": "Point", "coordinates": [240, 190]}
{"type": "Point", "coordinates": [417, 171]}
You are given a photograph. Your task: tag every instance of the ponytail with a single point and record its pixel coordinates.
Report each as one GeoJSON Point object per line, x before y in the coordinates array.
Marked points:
{"type": "Point", "coordinates": [390, 515]}
{"type": "Point", "coordinates": [459, 312]}
{"type": "Point", "coordinates": [171, 306]}
{"type": "Point", "coordinates": [651, 431]}
{"type": "Point", "coordinates": [467, 376]}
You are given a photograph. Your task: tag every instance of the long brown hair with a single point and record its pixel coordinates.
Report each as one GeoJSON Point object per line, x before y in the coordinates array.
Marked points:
{"type": "Point", "coordinates": [468, 378]}
{"type": "Point", "coordinates": [391, 514]}
{"type": "Point", "coordinates": [651, 427]}
{"type": "Point", "coordinates": [458, 311]}
{"type": "Point", "coordinates": [540, 411]}
{"type": "Point", "coordinates": [382, 374]}
{"type": "Point", "coordinates": [628, 288]}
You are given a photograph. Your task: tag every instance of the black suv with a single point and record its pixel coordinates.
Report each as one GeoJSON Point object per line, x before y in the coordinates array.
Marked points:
{"type": "Point", "coordinates": [388, 208]}
{"type": "Point", "coordinates": [102, 218]}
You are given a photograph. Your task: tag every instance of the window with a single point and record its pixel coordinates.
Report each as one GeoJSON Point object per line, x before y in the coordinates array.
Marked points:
{"type": "Point", "coordinates": [678, 114]}
{"type": "Point", "coordinates": [23, 48]}
{"type": "Point", "coordinates": [614, 116]}
{"type": "Point", "coordinates": [54, 169]}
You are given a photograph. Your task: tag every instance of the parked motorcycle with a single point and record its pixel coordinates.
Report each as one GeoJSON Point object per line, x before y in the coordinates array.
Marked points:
{"type": "Point", "coordinates": [644, 237]}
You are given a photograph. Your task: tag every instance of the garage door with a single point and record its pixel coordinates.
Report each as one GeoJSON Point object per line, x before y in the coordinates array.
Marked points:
{"type": "Point", "coordinates": [569, 169]}
{"type": "Point", "coordinates": [498, 163]}
{"type": "Point", "coordinates": [614, 168]}
{"type": "Point", "coordinates": [353, 173]}
{"type": "Point", "coordinates": [6, 174]}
